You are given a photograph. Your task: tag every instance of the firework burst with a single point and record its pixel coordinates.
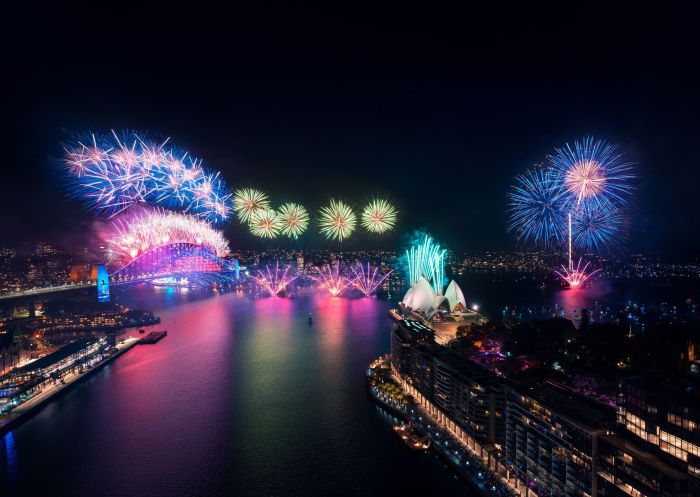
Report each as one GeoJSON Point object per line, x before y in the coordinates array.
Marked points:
{"type": "Point", "coordinates": [537, 205]}
{"type": "Point", "coordinates": [247, 201]}
{"type": "Point", "coordinates": [594, 171]}
{"type": "Point", "coordinates": [112, 173]}
{"type": "Point", "coordinates": [337, 220]}
{"type": "Point", "coordinates": [379, 216]}
{"type": "Point", "coordinates": [595, 226]}
{"type": "Point", "coordinates": [265, 223]}
{"type": "Point", "coordinates": [293, 218]}
{"type": "Point", "coordinates": [576, 276]}
{"type": "Point", "coordinates": [331, 279]}
{"type": "Point", "coordinates": [367, 281]}
{"type": "Point", "coordinates": [275, 282]}
{"type": "Point", "coordinates": [140, 234]}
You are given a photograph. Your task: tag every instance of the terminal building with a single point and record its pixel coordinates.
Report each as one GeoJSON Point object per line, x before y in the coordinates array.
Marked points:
{"type": "Point", "coordinates": [22, 382]}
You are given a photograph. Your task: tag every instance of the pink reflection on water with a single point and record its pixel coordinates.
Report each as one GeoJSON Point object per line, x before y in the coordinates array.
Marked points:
{"type": "Point", "coordinates": [170, 371]}
{"type": "Point", "coordinates": [572, 301]}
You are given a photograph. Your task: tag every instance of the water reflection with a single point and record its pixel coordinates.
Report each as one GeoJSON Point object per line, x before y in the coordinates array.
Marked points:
{"type": "Point", "coordinates": [242, 397]}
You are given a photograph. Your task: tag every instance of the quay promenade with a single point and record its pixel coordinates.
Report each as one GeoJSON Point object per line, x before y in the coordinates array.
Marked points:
{"type": "Point", "coordinates": [468, 462]}
{"type": "Point", "coordinates": [51, 390]}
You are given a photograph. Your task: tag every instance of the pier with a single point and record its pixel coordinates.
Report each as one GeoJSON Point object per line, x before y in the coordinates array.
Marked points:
{"type": "Point", "coordinates": [153, 337]}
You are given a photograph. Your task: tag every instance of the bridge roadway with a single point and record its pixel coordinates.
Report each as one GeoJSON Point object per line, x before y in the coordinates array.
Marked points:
{"type": "Point", "coordinates": [36, 292]}
{"type": "Point", "coordinates": [46, 290]}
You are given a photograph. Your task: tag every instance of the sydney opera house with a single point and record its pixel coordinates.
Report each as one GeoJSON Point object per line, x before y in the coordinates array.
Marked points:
{"type": "Point", "coordinates": [444, 313]}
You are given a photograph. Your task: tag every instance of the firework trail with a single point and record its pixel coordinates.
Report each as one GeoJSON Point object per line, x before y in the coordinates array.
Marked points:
{"type": "Point", "coordinates": [247, 201]}
{"type": "Point", "coordinates": [331, 279]}
{"type": "Point", "coordinates": [576, 276]}
{"type": "Point", "coordinates": [426, 259]}
{"type": "Point", "coordinates": [337, 220]}
{"type": "Point", "coordinates": [368, 281]}
{"type": "Point", "coordinates": [140, 234]}
{"type": "Point", "coordinates": [275, 282]}
{"type": "Point", "coordinates": [293, 218]}
{"type": "Point", "coordinates": [112, 173]}
{"type": "Point", "coordinates": [265, 223]}
{"type": "Point", "coordinates": [379, 216]}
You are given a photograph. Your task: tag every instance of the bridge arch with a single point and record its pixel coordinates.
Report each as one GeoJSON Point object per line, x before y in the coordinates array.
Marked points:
{"type": "Point", "coordinates": [172, 259]}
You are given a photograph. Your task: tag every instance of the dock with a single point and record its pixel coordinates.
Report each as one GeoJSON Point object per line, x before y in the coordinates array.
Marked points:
{"type": "Point", "coordinates": [153, 337]}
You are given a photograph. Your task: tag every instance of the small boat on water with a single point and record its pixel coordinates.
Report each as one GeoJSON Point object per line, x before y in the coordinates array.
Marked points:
{"type": "Point", "coordinates": [142, 330]}
{"type": "Point", "coordinates": [310, 319]}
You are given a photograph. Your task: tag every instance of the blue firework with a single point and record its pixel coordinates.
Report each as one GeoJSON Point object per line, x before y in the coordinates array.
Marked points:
{"type": "Point", "coordinates": [537, 207]}
{"type": "Point", "coordinates": [596, 226]}
{"type": "Point", "coordinates": [594, 172]}
{"type": "Point", "coordinates": [111, 173]}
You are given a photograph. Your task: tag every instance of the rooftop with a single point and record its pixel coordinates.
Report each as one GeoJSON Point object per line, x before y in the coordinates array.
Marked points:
{"type": "Point", "coordinates": [55, 357]}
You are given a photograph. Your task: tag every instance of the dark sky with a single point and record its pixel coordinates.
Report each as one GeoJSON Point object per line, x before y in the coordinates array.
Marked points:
{"type": "Point", "coordinates": [437, 110]}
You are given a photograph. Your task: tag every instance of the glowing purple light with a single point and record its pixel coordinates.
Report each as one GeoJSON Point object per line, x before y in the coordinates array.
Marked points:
{"type": "Point", "coordinates": [368, 281]}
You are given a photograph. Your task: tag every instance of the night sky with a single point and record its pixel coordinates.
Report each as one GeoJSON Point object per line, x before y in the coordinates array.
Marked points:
{"type": "Point", "coordinates": [435, 110]}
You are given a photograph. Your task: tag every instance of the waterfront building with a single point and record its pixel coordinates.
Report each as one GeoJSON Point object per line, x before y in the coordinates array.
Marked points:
{"type": "Point", "coordinates": [551, 439]}
{"type": "Point", "coordinates": [405, 334]}
{"type": "Point", "coordinates": [11, 352]}
{"type": "Point", "coordinates": [462, 396]}
{"type": "Point", "coordinates": [656, 448]}
{"type": "Point", "coordinates": [22, 382]}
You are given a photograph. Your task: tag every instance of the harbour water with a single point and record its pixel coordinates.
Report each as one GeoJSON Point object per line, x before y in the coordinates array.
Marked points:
{"type": "Point", "coordinates": [243, 397]}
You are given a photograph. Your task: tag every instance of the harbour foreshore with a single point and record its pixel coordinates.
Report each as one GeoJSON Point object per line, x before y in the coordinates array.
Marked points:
{"type": "Point", "coordinates": [469, 465]}
{"type": "Point", "coordinates": [30, 407]}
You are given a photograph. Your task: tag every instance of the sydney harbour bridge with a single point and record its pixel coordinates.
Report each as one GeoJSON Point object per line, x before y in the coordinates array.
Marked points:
{"type": "Point", "coordinates": [197, 263]}
{"type": "Point", "coordinates": [173, 260]}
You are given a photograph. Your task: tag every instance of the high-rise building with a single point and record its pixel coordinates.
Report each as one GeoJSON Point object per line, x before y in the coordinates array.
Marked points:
{"type": "Point", "coordinates": [551, 439]}
{"type": "Point", "coordinates": [656, 447]}
{"type": "Point", "coordinates": [462, 396]}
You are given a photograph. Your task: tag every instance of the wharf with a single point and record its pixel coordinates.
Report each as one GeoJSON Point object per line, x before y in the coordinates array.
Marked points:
{"type": "Point", "coordinates": [27, 409]}
{"type": "Point", "coordinates": [153, 337]}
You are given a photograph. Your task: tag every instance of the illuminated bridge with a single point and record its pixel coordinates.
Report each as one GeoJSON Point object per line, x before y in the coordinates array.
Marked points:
{"type": "Point", "coordinates": [173, 260]}
{"type": "Point", "coordinates": [196, 262]}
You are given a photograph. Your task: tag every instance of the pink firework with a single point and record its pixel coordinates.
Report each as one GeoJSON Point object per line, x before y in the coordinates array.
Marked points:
{"type": "Point", "coordinates": [275, 282]}
{"type": "Point", "coordinates": [576, 276]}
{"type": "Point", "coordinates": [331, 279]}
{"type": "Point", "coordinates": [368, 281]}
{"type": "Point", "coordinates": [131, 237]}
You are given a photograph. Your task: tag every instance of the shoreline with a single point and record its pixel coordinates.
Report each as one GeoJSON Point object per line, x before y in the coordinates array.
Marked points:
{"type": "Point", "coordinates": [32, 406]}
{"type": "Point", "coordinates": [473, 483]}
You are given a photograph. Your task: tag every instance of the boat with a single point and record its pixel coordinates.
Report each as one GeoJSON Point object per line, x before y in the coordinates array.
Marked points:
{"type": "Point", "coordinates": [310, 319]}
{"type": "Point", "coordinates": [142, 330]}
